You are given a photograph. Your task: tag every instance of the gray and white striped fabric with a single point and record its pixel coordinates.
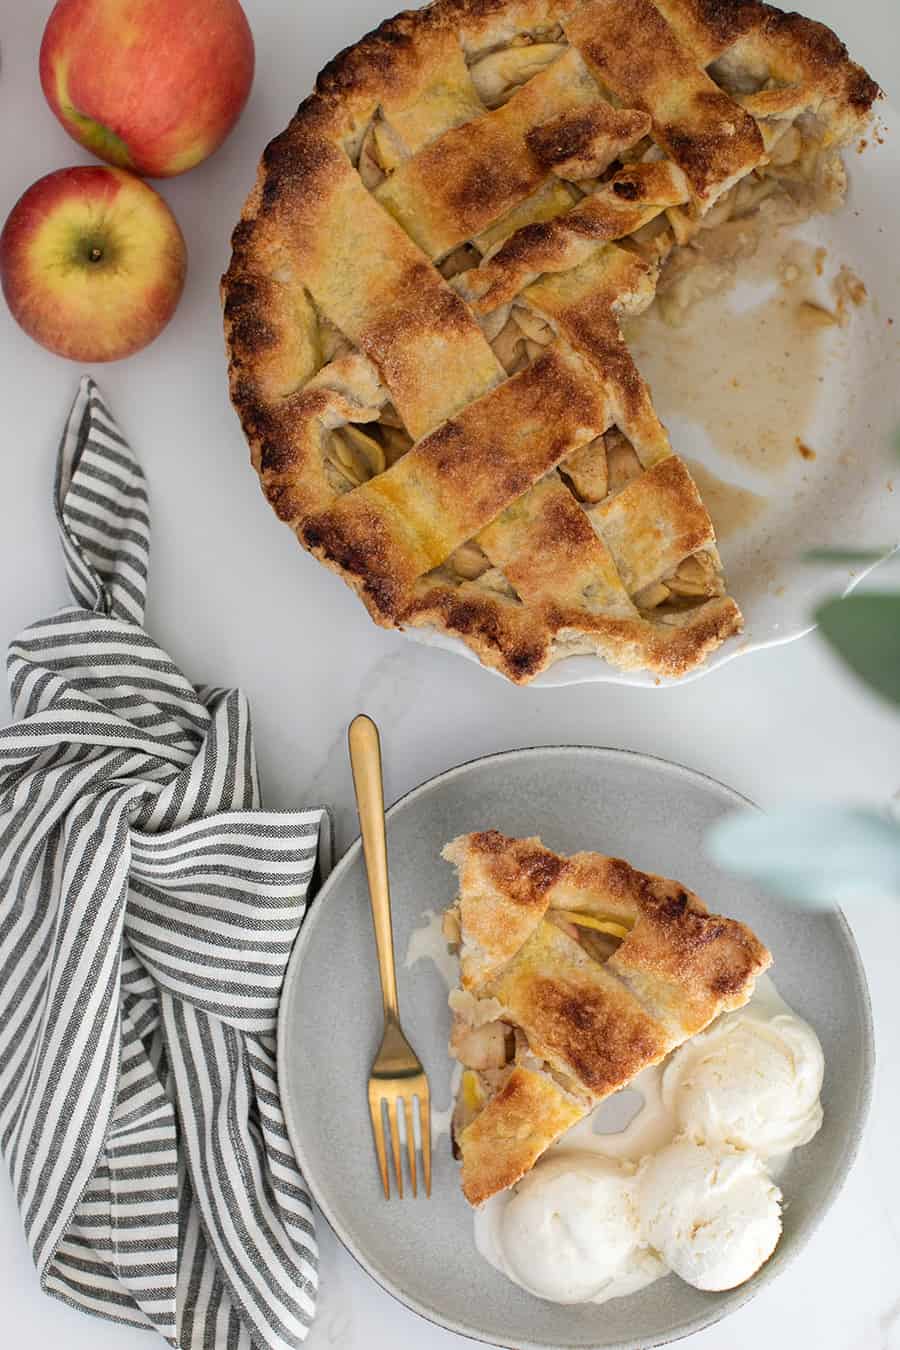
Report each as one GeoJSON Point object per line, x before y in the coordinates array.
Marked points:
{"type": "Point", "coordinates": [147, 911]}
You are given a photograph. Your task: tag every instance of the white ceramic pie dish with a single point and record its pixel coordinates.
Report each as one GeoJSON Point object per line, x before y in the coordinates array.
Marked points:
{"type": "Point", "coordinates": [657, 815]}
{"type": "Point", "coordinates": [844, 497]}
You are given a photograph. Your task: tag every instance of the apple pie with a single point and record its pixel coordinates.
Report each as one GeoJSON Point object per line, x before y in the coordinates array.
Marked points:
{"type": "Point", "coordinates": [424, 301]}
{"type": "Point", "coordinates": [575, 974]}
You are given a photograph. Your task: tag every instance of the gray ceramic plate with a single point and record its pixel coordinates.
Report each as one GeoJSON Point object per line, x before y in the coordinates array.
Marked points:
{"type": "Point", "coordinates": [649, 811]}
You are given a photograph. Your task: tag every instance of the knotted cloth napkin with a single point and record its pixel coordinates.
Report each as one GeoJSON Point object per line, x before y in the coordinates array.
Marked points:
{"type": "Point", "coordinates": [147, 911]}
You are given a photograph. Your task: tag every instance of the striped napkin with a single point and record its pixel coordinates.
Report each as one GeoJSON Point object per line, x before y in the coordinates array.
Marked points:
{"type": "Point", "coordinates": [147, 911]}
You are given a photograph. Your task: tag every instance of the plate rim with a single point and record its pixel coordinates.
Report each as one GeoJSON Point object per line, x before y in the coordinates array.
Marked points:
{"type": "Point", "coordinates": [765, 1276]}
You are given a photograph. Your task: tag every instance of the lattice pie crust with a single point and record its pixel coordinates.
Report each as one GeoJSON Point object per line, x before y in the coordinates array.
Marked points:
{"type": "Point", "coordinates": [422, 308]}
{"type": "Point", "coordinates": [575, 974]}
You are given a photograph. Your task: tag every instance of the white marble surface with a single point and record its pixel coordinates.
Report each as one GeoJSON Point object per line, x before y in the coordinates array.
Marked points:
{"type": "Point", "coordinates": [236, 601]}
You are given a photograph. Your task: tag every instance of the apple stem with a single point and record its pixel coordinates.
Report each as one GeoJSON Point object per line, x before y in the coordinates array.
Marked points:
{"type": "Point", "coordinates": [96, 254]}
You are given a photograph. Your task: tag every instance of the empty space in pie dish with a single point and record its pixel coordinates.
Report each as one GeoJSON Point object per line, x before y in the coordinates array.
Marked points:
{"type": "Point", "coordinates": [787, 421]}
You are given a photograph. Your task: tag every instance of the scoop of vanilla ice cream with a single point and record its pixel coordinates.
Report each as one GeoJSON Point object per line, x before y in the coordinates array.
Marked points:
{"type": "Point", "coordinates": [751, 1081]}
{"type": "Point", "coordinates": [712, 1213]}
{"type": "Point", "coordinates": [570, 1231]}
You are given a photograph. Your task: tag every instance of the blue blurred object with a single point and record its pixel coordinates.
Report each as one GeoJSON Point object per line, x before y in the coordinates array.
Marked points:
{"type": "Point", "coordinates": [816, 855]}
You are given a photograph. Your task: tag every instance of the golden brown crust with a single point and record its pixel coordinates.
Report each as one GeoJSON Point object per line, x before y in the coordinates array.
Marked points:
{"type": "Point", "coordinates": [316, 252]}
{"type": "Point", "coordinates": [505, 1140]}
{"type": "Point", "coordinates": [584, 303]}
{"type": "Point", "coordinates": [688, 967]}
{"type": "Point", "coordinates": [520, 642]}
{"type": "Point", "coordinates": [788, 47]}
{"type": "Point", "coordinates": [640, 57]}
{"type": "Point", "coordinates": [468, 177]}
{"type": "Point", "coordinates": [631, 198]}
{"type": "Point", "coordinates": [673, 935]}
{"type": "Point", "coordinates": [685, 964]}
{"type": "Point", "coordinates": [504, 893]}
{"type": "Point", "coordinates": [504, 635]}
{"type": "Point", "coordinates": [406, 521]}
{"type": "Point", "coordinates": [545, 545]}
{"type": "Point", "coordinates": [668, 647]}
{"type": "Point", "coordinates": [590, 1024]}
{"type": "Point", "coordinates": [594, 883]}
{"type": "Point", "coordinates": [654, 523]}
{"type": "Point", "coordinates": [583, 142]}
{"type": "Point", "coordinates": [579, 1019]}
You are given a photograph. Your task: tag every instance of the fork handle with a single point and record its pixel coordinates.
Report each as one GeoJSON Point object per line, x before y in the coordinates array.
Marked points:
{"type": "Point", "coordinates": [365, 762]}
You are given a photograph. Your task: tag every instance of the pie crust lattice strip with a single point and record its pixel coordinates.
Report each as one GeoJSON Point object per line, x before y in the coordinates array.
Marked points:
{"type": "Point", "coordinates": [575, 974]}
{"type": "Point", "coordinates": [423, 308]}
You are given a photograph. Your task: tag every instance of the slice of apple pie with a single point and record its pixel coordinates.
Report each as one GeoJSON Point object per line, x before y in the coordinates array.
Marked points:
{"type": "Point", "coordinates": [575, 973]}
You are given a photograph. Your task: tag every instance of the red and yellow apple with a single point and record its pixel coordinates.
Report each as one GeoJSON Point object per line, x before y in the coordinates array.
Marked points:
{"type": "Point", "coordinates": [92, 263]}
{"type": "Point", "coordinates": [149, 85]}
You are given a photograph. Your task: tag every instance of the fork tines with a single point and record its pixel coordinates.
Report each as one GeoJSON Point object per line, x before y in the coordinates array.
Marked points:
{"type": "Point", "coordinates": [410, 1101]}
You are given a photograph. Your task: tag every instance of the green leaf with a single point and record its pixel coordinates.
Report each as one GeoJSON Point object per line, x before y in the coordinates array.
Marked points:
{"type": "Point", "coordinates": [814, 855]}
{"type": "Point", "coordinates": [847, 555]}
{"type": "Point", "coordinates": [864, 629]}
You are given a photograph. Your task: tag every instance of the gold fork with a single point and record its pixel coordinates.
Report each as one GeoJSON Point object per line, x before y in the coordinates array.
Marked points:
{"type": "Point", "coordinates": [397, 1075]}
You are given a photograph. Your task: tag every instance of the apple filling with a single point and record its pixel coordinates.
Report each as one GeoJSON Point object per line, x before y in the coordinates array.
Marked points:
{"type": "Point", "coordinates": [696, 579]}
{"type": "Point", "coordinates": [354, 455]}
{"type": "Point", "coordinates": [498, 74]}
{"type": "Point", "coordinates": [802, 177]}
